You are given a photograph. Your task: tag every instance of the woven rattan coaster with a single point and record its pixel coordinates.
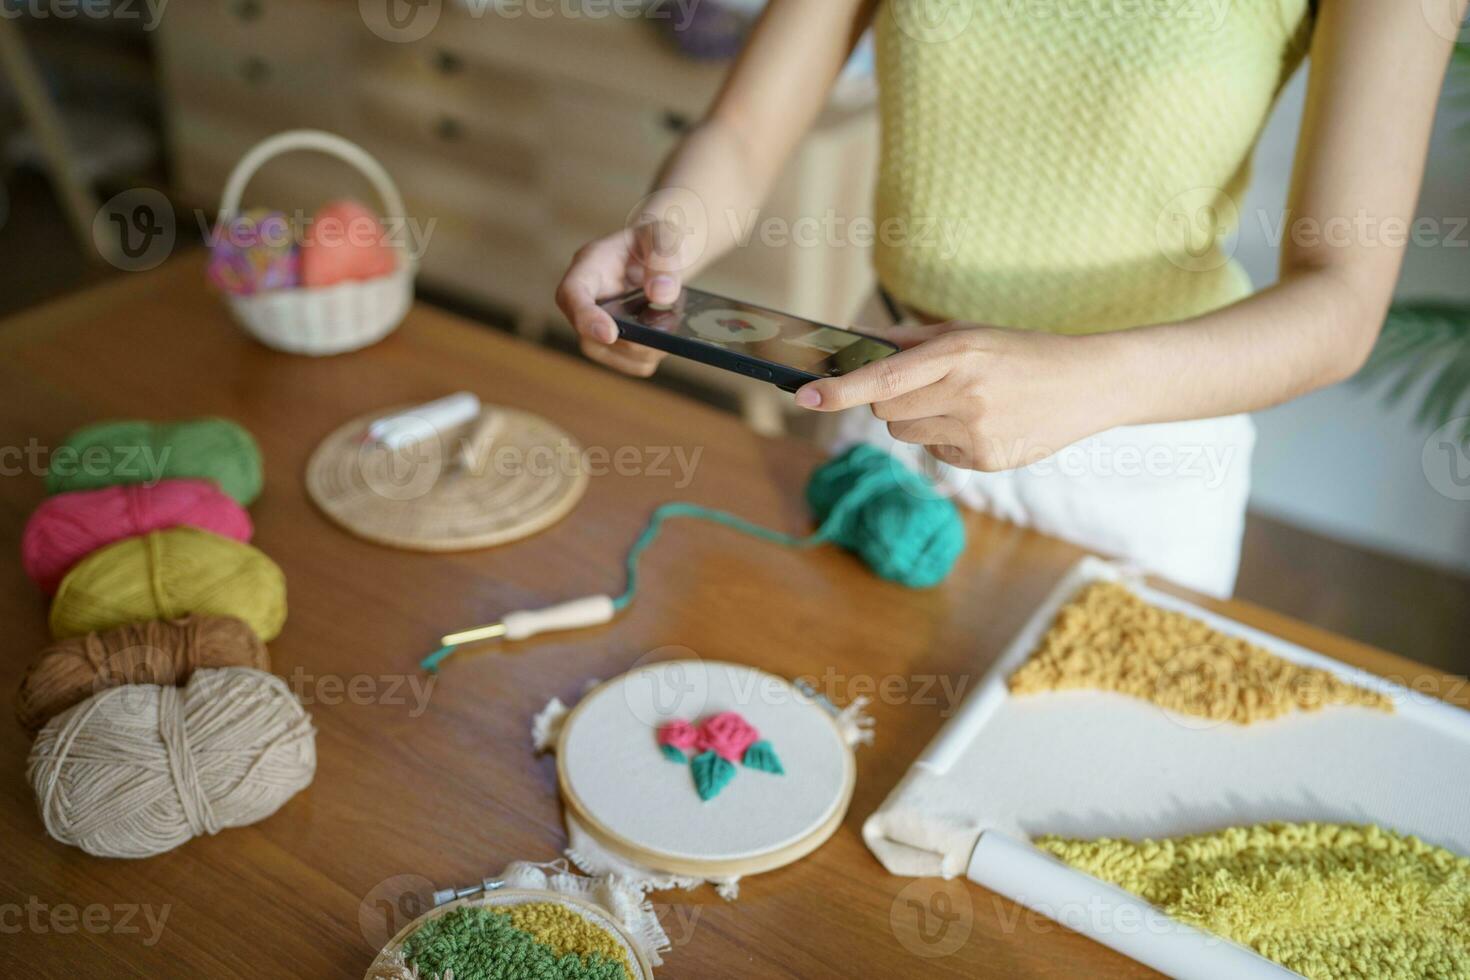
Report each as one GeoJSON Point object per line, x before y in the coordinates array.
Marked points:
{"type": "Point", "coordinates": [497, 478]}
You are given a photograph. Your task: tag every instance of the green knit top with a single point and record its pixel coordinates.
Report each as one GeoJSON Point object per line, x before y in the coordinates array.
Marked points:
{"type": "Point", "coordinates": [1072, 165]}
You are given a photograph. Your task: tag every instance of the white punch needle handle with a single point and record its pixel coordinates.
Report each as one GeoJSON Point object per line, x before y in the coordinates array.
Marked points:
{"type": "Point", "coordinates": [592, 610]}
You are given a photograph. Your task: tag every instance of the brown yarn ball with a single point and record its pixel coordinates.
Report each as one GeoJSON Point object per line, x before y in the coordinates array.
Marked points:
{"type": "Point", "coordinates": [160, 651]}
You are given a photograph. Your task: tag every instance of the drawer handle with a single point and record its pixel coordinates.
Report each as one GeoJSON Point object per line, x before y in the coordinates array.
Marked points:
{"type": "Point", "coordinates": [449, 129]}
{"type": "Point", "coordinates": [447, 62]}
{"type": "Point", "coordinates": [676, 122]}
{"type": "Point", "coordinates": [255, 70]}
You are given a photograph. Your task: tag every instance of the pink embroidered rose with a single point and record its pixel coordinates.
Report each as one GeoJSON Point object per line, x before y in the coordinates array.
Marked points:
{"type": "Point", "coordinates": [678, 733]}
{"type": "Point", "coordinates": [728, 735]}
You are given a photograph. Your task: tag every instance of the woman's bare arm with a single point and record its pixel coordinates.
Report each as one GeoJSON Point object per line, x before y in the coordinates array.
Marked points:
{"type": "Point", "coordinates": [723, 168]}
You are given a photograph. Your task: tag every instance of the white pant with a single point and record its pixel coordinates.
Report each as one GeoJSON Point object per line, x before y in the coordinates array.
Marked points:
{"type": "Point", "coordinates": [1170, 497]}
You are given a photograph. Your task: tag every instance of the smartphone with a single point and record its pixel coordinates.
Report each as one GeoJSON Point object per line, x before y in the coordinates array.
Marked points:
{"type": "Point", "coordinates": [742, 337]}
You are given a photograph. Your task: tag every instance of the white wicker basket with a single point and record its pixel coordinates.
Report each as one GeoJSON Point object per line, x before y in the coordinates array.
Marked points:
{"type": "Point", "coordinates": [327, 319]}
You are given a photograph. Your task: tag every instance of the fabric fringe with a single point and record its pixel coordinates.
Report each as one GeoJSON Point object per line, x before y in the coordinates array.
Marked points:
{"type": "Point", "coordinates": [546, 726]}
{"type": "Point", "coordinates": [855, 724]}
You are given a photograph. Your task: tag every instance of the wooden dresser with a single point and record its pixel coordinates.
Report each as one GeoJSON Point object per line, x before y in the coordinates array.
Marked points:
{"type": "Point", "coordinates": [520, 136]}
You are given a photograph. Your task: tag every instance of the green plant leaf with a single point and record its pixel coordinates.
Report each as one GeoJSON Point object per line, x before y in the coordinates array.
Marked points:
{"type": "Point", "coordinates": [1424, 346]}
{"type": "Point", "coordinates": [711, 774]}
{"type": "Point", "coordinates": [762, 756]}
{"type": "Point", "coordinates": [672, 754]}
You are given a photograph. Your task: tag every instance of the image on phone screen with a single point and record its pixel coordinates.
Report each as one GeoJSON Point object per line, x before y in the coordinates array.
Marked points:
{"type": "Point", "coordinates": [748, 331]}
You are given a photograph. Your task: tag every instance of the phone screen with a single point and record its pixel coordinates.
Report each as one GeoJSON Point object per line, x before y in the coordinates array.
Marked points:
{"type": "Point", "coordinates": [755, 332]}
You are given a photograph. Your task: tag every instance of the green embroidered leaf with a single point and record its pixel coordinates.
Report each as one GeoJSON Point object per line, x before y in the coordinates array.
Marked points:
{"type": "Point", "coordinates": [673, 754]}
{"type": "Point", "coordinates": [711, 774]}
{"type": "Point", "coordinates": [761, 756]}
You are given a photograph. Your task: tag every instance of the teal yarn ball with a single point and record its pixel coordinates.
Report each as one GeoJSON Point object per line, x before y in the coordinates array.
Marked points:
{"type": "Point", "coordinates": [872, 504]}
{"type": "Point", "coordinates": [136, 451]}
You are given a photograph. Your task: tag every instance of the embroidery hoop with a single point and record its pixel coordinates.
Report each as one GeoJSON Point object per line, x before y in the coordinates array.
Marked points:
{"type": "Point", "coordinates": [617, 840]}
{"type": "Point", "coordinates": [524, 896]}
{"type": "Point", "coordinates": [441, 508]}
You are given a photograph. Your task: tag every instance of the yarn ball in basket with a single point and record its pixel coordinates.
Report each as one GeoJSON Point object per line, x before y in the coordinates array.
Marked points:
{"type": "Point", "coordinates": [891, 517]}
{"type": "Point", "coordinates": [254, 253]}
{"type": "Point", "coordinates": [345, 242]}
{"type": "Point", "coordinates": [135, 451]}
{"type": "Point", "coordinates": [68, 527]}
{"type": "Point", "coordinates": [140, 769]}
{"type": "Point", "coordinates": [160, 651]}
{"type": "Point", "coordinates": [168, 574]}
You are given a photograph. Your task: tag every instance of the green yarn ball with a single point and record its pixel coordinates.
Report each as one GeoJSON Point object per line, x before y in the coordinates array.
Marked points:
{"type": "Point", "coordinates": [481, 944]}
{"type": "Point", "coordinates": [135, 451]}
{"type": "Point", "coordinates": [872, 504]}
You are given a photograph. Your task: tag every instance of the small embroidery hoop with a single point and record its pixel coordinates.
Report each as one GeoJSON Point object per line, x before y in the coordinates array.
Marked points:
{"type": "Point", "coordinates": [457, 510]}
{"type": "Point", "coordinates": [523, 896]}
{"type": "Point", "coordinates": [709, 869]}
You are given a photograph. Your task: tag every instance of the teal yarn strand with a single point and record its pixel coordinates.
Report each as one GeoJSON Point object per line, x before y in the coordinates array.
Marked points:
{"type": "Point", "coordinates": [865, 501]}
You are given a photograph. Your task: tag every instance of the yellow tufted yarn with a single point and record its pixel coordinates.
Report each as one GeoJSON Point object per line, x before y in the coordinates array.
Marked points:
{"type": "Point", "coordinates": [169, 574]}
{"type": "Point", "coordinates": [1108, 639]}
{"type": "Point", "coordinates": [1329, 901]}
{"type": "Point", "coordinates": [1070, 165]}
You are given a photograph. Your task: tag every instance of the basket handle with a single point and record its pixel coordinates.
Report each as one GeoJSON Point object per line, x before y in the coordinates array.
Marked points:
{"type": "Point", "coordinates": [323, 142]}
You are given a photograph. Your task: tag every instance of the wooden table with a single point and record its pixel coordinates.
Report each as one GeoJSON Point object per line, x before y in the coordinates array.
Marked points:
{"type": "Point", "coordinates": [450, 791]}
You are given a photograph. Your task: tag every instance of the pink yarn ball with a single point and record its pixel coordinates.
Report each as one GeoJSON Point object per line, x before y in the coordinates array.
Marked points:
{"type": "Point", "coordinates": [70, 526]}
{"type": "Point", "coordinates": [345, 242]}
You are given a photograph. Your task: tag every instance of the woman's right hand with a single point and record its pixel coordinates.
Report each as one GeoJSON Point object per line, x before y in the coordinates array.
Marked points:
{"type": "Point", "coordinates": [647, 255]}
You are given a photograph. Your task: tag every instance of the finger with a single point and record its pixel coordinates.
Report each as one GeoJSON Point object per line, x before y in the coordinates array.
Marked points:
{"type": "Point", "coordinates": [624, 357]}
{"type": "Point", "coordinates": [908, 335]}
{"type": "Point", "coordinates": [953, 456]}
{"type": "Point", "coordinates": [927, 401]}
{"type": "Point", "coordinates": [933, 431]}
{"type": "Point", "coordinates": [595, 272]}
{"type": "Point", "coordinates": [660, 247]}
{"type": "Point", "coordinates": [879, 381]}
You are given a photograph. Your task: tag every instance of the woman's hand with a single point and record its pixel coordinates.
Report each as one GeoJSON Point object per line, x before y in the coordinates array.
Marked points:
{"type": "Point", "coordinates": [984, 398]}
{"type": "Point", "coordinates": [648, 255]}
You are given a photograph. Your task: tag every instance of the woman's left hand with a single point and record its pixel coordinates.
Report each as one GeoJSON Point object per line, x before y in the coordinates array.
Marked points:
{"type": "Point", "coordinates": [984, 398]}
